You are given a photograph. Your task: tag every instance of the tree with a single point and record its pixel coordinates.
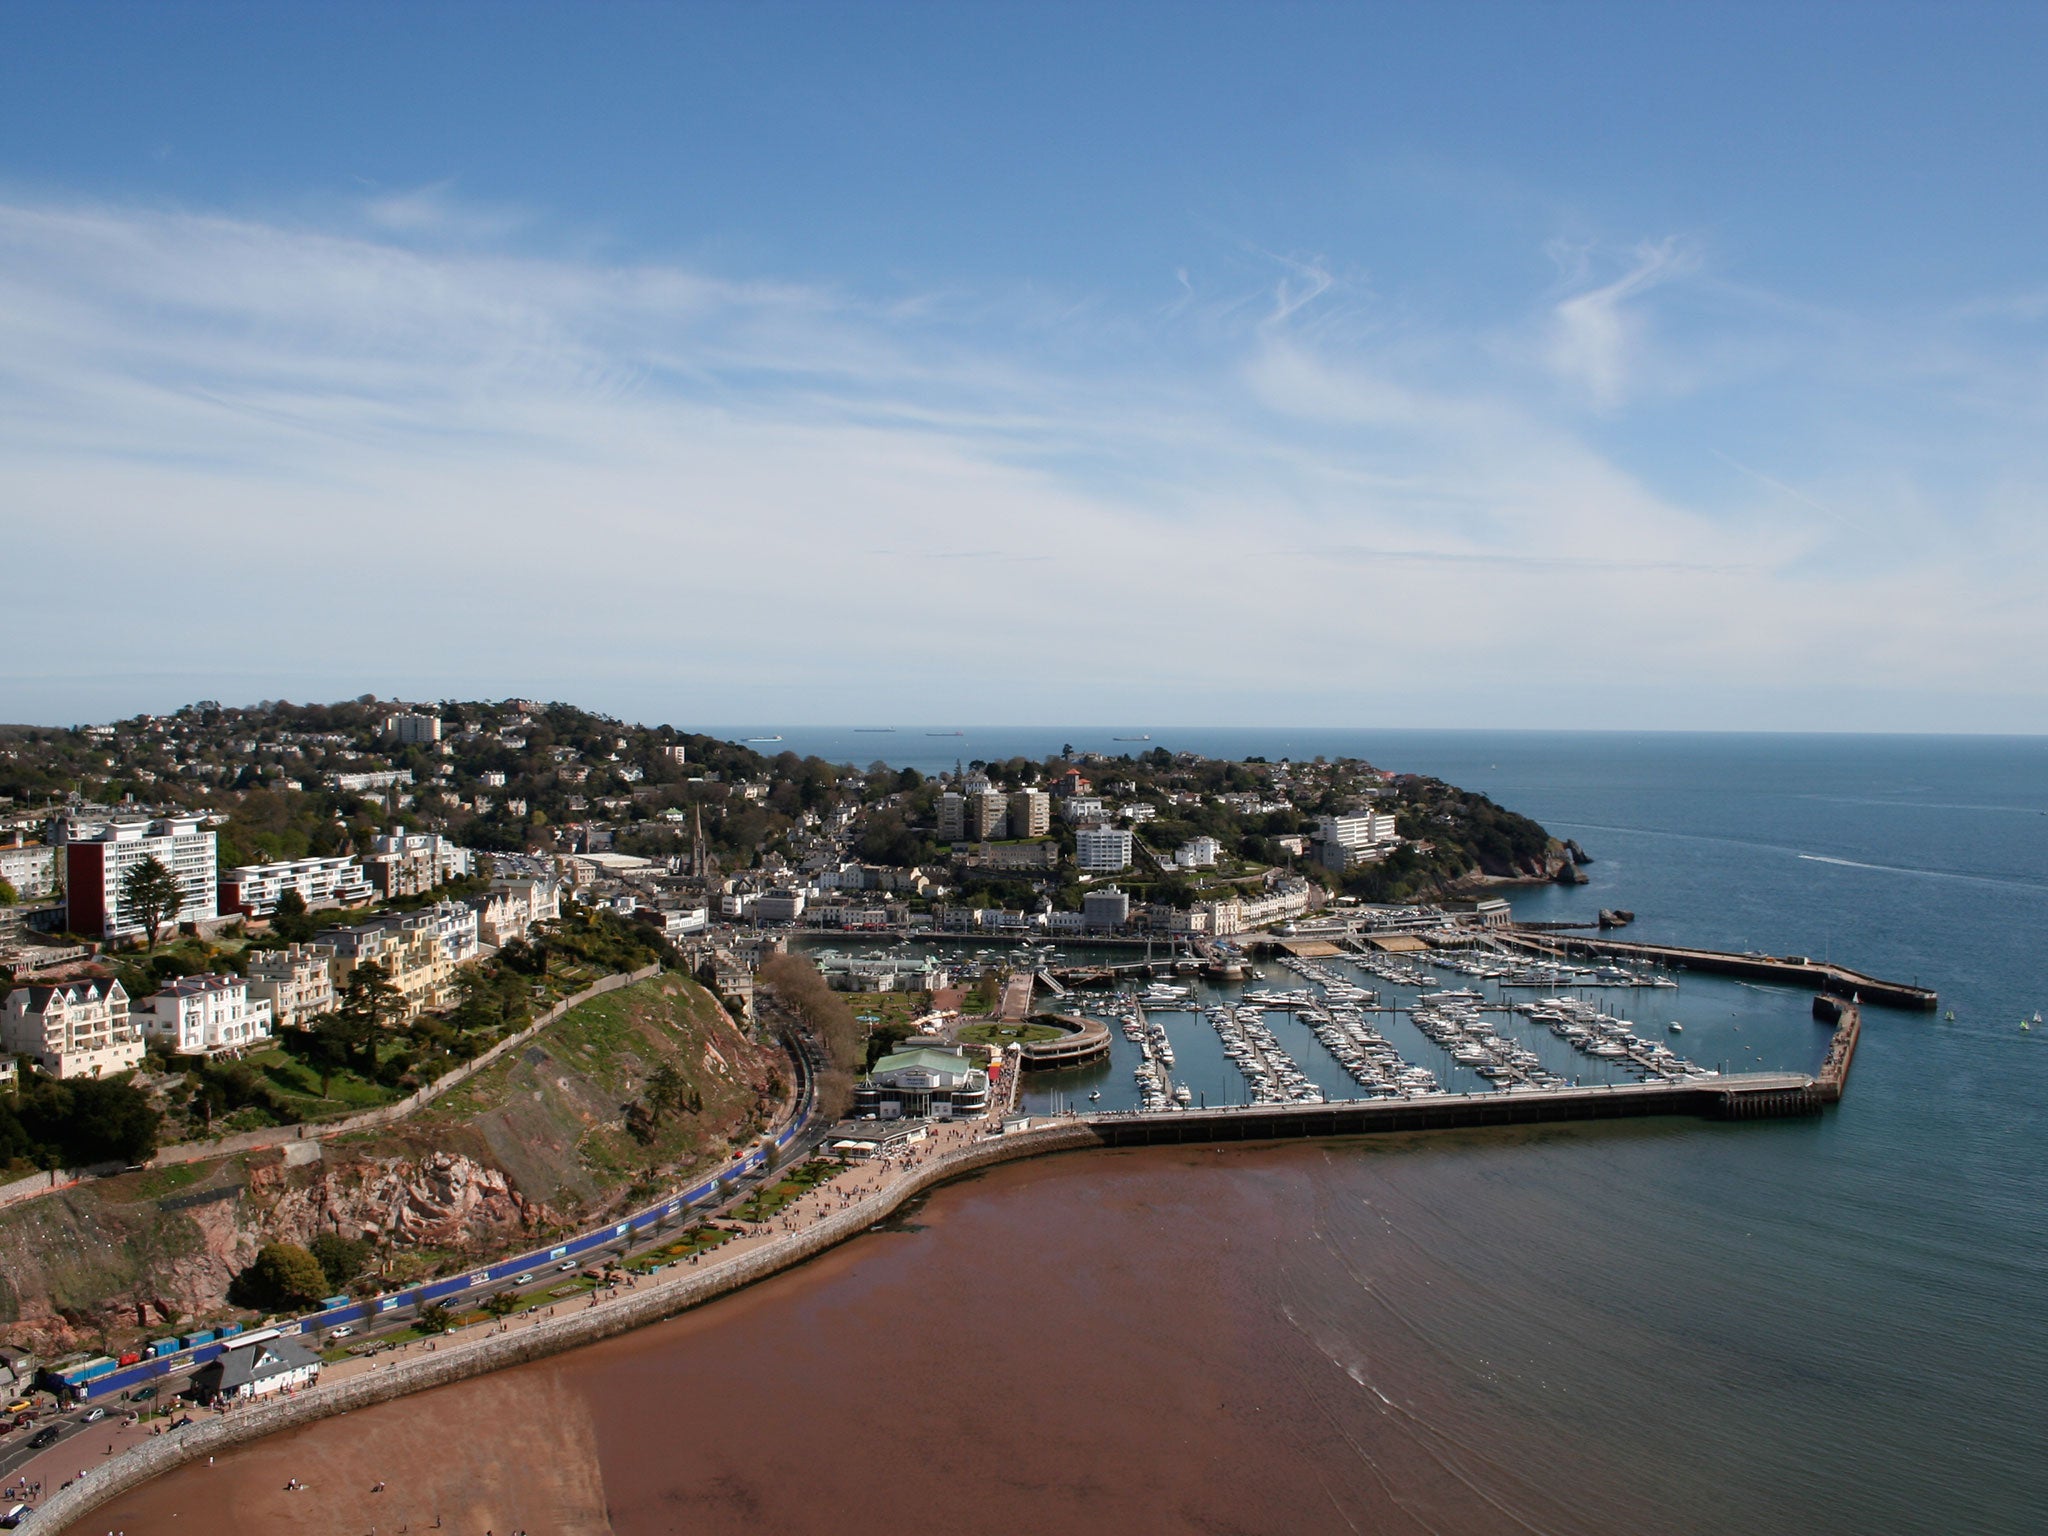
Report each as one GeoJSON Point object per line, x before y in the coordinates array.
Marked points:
{"type": "Point", "coordinates": [369, 1000]}
{"type": "Point", "coordinates": [433, 1318]}
{"type": "Point", "coordinates": [501, 1303]}
{"type": "Point", "coordinates": [8, 894]}
{"type": "Point", "coordinates": [289, 919]}
{"type": "Point", "coordinates": [150, 894]}
{"type": "Point", "coordinates": [341, 1258]}
{"type": "Point", "coordinates": [283, 1275]}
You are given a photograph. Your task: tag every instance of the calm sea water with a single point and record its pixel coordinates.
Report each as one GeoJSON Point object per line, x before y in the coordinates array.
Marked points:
{"type": "Point", "coordinates": [1838, 1324]}
{"type": "Point", "coordinates": [1882, 1271]}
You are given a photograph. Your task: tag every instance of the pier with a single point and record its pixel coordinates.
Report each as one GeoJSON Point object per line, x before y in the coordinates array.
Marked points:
{"type": "Point", "coordinates": [1788, 970]}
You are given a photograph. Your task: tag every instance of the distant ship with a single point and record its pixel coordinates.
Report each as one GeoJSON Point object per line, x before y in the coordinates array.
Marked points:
{"type": "Point", "coordinates": [1130, 738]}
{"type": "Point", "coordinates": [874, 730]}
{"type": "Point", "coordinates": [764, 738]}
{"type": "Point", "coordinates": [945, 733]}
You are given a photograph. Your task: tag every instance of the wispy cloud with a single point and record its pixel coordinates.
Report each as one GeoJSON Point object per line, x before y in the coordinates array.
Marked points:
{"type": "Point", "coordinates": [407, 436]}
{"type": "Point", "coordinates": [1596, 335]}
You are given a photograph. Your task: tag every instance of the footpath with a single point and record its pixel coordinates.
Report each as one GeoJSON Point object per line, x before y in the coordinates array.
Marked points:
{"type": "Point", "coordinates": [270, 1138]}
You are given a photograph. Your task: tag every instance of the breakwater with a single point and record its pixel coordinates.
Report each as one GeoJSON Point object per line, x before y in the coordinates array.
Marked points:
{"type": "Point", "coordinates": [1788, 970]}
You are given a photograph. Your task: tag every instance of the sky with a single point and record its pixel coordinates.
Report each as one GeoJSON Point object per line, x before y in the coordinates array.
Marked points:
{"type": "Point", "coordinates": [1514, 365]}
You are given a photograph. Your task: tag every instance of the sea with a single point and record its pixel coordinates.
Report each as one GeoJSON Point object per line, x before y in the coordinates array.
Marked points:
{"type": "Point", "coordinates": [1831, 1324]}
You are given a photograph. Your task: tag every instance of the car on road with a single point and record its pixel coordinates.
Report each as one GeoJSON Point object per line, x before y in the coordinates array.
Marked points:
{"type": "Point", "coordinates": [93, 1415]}
{"type": "Point", "coordinates": [142, 1394]}
{"type": "Point", "coordinates": [46, 1436]}
{"type": "Point", "coordinates": [525, 1279]}
{"type": "Point", "coordinates": [565, 1266]}
{"type": "Point", "coordinates": [340, 1333]}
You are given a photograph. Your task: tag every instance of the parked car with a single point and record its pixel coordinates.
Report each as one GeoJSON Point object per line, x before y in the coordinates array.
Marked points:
{"type": "Point", "coordinates": [20, 1405]}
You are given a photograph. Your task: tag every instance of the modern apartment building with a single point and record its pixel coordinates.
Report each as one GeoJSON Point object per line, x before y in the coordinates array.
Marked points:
{"type": "Point", "coordinates": [334, 881]}
{"type": "Point", "coordinates": [412, 730]}
{"type": "Point", "coordinates": [1102, 850]}
{"type": "Point", "coordinates": [96, 865]}
{"type": "Point", "coordinates": [73, 1029]}
{"type": "Point", "coordinates": [31, 868]}
{"type": "Point", "coordinates": [402, 863]}
{"type": "Point", "coordinates": [988, 815]}
{"type": "Point", "coordinates": [952, 810]}
{"type": "Point", "coordinates": [1349, 840]}
{"type": "Point", "coordinates": [1030, 813]}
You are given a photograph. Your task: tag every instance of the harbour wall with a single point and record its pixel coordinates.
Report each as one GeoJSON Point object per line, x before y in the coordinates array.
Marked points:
{"type": "Point", "coordinates": [1794, 970]}
{"type": "Point", "coordinates": [1758, 1097]}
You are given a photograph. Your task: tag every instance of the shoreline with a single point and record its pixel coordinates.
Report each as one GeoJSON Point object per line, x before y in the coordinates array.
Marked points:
{"type": "Point", "coordinates": [745, 1260]}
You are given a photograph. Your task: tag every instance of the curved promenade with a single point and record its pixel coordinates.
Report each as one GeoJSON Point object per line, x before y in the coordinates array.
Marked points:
{"type": "Point", "coordinates": [958, 1150]}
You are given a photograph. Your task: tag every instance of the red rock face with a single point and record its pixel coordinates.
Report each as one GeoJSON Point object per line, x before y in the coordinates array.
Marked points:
{"type": "Point", "coordinates": [441, 1200]}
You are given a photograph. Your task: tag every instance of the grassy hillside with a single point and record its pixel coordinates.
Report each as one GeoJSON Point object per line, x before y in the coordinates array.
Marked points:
{"type": "Point", "coordinates": [569, 1116]}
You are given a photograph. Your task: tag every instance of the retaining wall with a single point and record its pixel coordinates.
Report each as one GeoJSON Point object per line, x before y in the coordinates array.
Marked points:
{"type": "Point", "coordinates": [648, 1302]}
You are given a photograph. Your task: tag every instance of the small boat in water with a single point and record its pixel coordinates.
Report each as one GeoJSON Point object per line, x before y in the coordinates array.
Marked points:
{"type": "Point", "coordinates": [1677, 1028]}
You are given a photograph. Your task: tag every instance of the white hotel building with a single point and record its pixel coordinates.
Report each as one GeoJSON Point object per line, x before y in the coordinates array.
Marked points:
{"type": "Point", "coordinates": [74, 1029]}
{"type": "Point", "coordinates": [204, 1016]}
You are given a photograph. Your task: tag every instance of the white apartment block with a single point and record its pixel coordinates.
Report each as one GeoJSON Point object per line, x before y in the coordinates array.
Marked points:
{"type": "Point", "coordinates": [31, 868]}
{"type": "Point", "coordinates": [1102, 850]}
{"type": "Point", "coordinates": [334, 881]}
{"type": "Point", "coordinates": [297, 983]}
{"type": "Point", "coordinates": [74, 1029]}
{"type": "Point", "coordinates": [412, 730]}
{"type": "Point", "coordinates": [96, 866]}
{"type": "Point", "coordinates": [366, 783]}
{"type": "Point", "coordinates": [1199, 853]}
{"type": "Point", "coordinates": [1082, 808]}
{"type": "Point", "coordinates": [1030, 813]}
{"type": "Point", "coordinates": [1348, 840]}
{"type": "Point", "coordinates": [204, 1016]}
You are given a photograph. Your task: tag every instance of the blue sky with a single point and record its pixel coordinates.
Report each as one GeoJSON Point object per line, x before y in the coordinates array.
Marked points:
{"type": "Point", "coordinates": [1424, 365]}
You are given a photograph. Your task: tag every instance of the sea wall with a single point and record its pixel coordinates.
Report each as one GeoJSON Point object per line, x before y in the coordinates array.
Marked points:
{"type": "Point", "coordinates": [649, 1302]}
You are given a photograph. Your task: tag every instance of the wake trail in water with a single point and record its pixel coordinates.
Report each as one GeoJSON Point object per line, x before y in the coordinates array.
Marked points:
{"type": "Point", "coordinates": [1928, 874]}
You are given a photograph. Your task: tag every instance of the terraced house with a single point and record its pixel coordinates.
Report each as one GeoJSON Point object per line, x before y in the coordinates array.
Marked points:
{"type": "Point", "coordinates": [420, 950]}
